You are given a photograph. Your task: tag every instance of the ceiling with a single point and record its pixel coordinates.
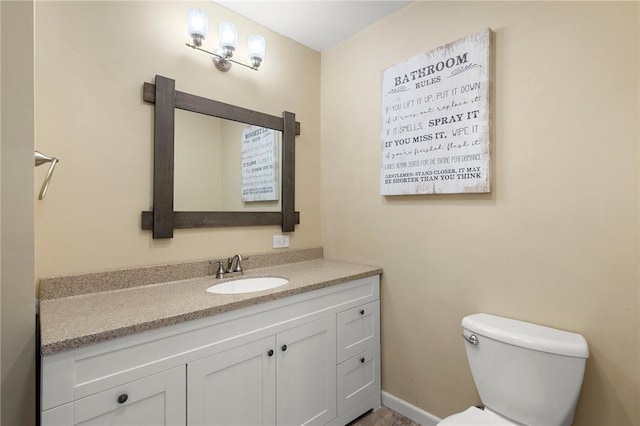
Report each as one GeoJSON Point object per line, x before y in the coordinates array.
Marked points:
{"type": "Point", "coordinates": [317, 24]}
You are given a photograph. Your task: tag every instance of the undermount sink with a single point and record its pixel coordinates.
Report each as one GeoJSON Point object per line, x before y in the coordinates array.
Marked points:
{"type": "Point", "coordinates": [247, 285]}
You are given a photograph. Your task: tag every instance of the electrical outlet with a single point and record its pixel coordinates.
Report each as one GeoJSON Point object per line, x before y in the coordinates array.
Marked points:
{"type": "Point", "coordinates": [280, 241]}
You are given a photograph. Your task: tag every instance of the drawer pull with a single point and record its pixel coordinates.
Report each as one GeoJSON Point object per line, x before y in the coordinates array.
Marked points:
{"type": "Point", "coordinates": [362, 360]}
{"type": "Point", "coordinates": [270, 353]}
{"type": "Point", "coordinates": [284, 348]}
{"type": "Point", "coordinates": [123, 398]}
{"type": "Point", "coordinates": [361, 311]}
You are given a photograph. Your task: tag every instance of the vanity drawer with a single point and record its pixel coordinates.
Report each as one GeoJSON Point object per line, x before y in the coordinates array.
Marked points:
{"type": "Point", "coordinates": [358, 377]}
{"type": "Point", "coordinates": [157, 399]}
{"type": "Point", "coordinates": [358, 329]}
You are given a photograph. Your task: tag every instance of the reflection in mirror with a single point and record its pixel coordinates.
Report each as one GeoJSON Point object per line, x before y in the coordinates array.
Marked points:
{"type": "Point", "coordinates": [259, 163]}
{"type": "Point", "coordinates": [211, 160]}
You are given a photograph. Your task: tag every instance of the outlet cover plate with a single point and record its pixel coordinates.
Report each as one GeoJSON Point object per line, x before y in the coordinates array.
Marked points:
{"type": "Point", "coordinates": [280, 241]}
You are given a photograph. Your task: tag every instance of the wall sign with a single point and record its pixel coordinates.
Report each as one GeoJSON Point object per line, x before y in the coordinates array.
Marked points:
{"type": "Point", "coordinates": [259, 164]}
{"type": "Point", "coordinates": [435, 121]}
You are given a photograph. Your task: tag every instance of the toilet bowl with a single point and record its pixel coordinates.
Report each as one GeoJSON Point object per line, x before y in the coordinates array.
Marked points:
{"type": "Point", "coordinates": [525, 374]}
{"type": "Point", "coordinates": [476, 417]}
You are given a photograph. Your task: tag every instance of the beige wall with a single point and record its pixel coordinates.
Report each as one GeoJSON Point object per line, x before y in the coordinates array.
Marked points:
{"type": "Point", "coordinates": [198, 163]}
{"type": "Point", "coordinates": [555, 243]}
{"type": "Point", "coordinates": [17, 291]}
{"type": "Point", "coordinates": [91, 61]}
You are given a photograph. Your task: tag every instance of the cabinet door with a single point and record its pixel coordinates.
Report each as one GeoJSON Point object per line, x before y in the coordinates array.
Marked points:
{"type": "Point", "coordinates": [155, 400]}
{"type": "Point", "coordinates": [235, 387]}
{"type": "Point", "coordinates": [306, 380]}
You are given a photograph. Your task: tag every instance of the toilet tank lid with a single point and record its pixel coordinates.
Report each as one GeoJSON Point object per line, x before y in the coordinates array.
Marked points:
{"type": "Point", "coordinates": [527, 335]}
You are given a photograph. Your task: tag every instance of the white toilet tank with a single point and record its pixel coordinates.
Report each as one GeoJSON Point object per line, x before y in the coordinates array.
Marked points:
{"type": "Point", "coordinates": [526, 372]}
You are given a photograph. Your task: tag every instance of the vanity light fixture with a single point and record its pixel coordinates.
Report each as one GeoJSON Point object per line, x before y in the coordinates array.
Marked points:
{"type": "Point", "coordinates": [198, 23]}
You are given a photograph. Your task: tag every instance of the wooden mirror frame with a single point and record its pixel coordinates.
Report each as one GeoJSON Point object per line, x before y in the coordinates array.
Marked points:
{"type": "Point", "coordinates": [162, 220]}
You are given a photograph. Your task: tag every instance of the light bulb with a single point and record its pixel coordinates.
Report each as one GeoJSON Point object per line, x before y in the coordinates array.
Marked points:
{"type": "Point", "coordinates": [198, 25]}
{"type": "Point", "coordinates": [228, 35]}
{"type": "Point", "coordinates": [257, 47]}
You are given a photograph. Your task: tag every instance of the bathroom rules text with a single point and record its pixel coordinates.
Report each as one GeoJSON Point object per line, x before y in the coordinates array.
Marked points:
{"type": "Point", "coordinates": [259, 164]}
{"type": "Point", "coordinates": [435, 121]}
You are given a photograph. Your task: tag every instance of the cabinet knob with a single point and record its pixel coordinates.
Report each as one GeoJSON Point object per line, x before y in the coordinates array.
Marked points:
{"type": "Point", "coordinates": [362, 360]}
{"type": "Point", "coordinates": [284, 348]}
{"type": "Point", "coordinates": [361, 311]}
{"type": "Point", "coordinates": [270, 353]}
{"type": "Point", "coordinates": [123, 398]}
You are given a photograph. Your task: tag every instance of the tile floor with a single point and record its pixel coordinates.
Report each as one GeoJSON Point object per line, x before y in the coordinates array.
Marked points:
{"type": "Point", "coordinates": [383, 416]}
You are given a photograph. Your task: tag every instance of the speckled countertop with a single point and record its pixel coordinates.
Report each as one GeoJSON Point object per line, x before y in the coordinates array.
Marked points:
{"type": "Point", "coordinates": [73, 321]}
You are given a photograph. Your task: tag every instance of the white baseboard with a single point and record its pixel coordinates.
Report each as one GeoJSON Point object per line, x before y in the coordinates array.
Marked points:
{"type": "Point", "coordinates": [412, 412]}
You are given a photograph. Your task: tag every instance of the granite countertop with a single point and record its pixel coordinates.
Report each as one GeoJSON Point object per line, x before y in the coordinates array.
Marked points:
{"type": "Point", "coordinates": [78, 320]}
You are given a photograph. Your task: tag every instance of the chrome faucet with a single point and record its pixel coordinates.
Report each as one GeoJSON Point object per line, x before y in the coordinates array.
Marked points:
{"type": "Point", "coordinates": [230, 268]}
{"type": "Point", "coordinates": [238, 267]}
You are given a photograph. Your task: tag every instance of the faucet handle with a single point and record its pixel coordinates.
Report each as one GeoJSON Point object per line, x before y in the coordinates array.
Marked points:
{"type": "Point", "coordinates": [221, 271]}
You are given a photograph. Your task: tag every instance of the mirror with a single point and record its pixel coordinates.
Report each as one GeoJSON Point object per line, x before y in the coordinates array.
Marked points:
{"type": "Point", "coordinates": [258, 185]}
{"type": "Point", "coordinates": [223, 165]}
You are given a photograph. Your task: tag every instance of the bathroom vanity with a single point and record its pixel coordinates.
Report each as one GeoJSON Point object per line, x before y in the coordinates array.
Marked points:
{"type": "Point", "coordinates": [172, 353]}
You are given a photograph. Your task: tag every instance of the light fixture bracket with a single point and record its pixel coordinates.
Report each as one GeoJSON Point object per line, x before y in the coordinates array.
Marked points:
{"type": "Point", "coordinates": [221, 62]}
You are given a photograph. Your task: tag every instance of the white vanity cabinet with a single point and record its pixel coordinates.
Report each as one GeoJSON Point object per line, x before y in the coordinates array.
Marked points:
{"type": "Point", "coordinates": [311, 358]}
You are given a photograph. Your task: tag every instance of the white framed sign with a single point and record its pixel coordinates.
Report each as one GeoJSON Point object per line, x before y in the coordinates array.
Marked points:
{"type": "Point", "coordinates": [259, 164]}
{"type": "Point", "coordinates": [436, 121]}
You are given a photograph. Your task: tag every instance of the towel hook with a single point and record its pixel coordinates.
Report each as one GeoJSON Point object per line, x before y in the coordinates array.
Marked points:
{"type": "Point", "coordinates": [40, 159]}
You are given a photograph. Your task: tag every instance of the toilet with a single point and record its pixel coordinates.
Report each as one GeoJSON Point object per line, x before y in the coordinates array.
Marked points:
{"type": "Point", "coordinates": [525, 374]}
